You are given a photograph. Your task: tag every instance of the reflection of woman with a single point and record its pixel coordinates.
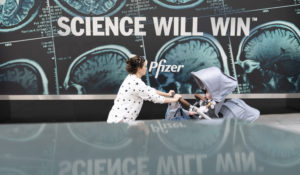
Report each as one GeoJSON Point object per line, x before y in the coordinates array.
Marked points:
{"type": "Point", "coordinates": [133, 91]}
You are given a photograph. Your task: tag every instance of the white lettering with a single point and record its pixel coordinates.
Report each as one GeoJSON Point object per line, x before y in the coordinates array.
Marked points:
{"type": "Point", "coordinates": [219, 26]}
{"type": "Point", "coordinates": [110, 26]}
{"type": "Point", "coordinates": [183, 28]}
{"type": "Point", "coordinates": [78, 164]}
{"type": "Point", "coordinates": [64, 26]}
{"type": "Point", "coordinates": [187, 159]}
{"type": "Point", "coordinates": [162, 25]}
{"type": "Point", "coordinates": [166, 166]}
{"type": "Point", "coordinates": [97, 26]}
{"type": "Point", "coordinates": [142, 165]}
{"type": "Point", "coordinates": [101, 26]}
{"type": "Point", "coordinates": [199, 166]}
{"type": "Point", "coordinates": [123, 21]}
{"type": "Point", "coordinates": [138, 26]}
{"type": "Point", "coordinates": [224, 165]}
{"type": "Point", "coordinates": [241, 25]}
{"type": "Point", "coordinates": [160, 67]}
{"type": "Point", "coordinates": [114, 168]}
{"type": "Point", "coordinates": [195, 28]}
{"type": "Point", "coordinates": [74, 26]}
{"type": "Point", "coordinates": [65, 167]}
{"type": "Point", "coordinates": [239, 162]}
{"type": "Point", "coordinates": [250, 162]}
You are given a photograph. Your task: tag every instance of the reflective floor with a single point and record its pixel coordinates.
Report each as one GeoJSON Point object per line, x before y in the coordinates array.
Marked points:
{"type": "Point", "coordinates": [290, 122]}
{"type": "Point", "coordinates": [152, 147]}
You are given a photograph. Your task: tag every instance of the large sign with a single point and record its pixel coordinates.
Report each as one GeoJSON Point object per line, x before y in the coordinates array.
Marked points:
{"type": "Point", "coordinates": [56, 47]}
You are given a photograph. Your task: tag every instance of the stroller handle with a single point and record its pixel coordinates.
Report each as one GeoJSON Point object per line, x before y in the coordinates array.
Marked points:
{"type": "Point", "coordinates": [184, 102]}
{"type": "Point", "coordinates": [194, 108]}
{"type": "Point", "coordinates": [199, 97]}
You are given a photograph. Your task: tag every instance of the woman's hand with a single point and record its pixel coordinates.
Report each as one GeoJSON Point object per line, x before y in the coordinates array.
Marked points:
{"type": "Point", "coordinates": [174, 99]}
{"type": "Point", "coordinates": [171, 93]}
{"type": "Point", "coordinates": [192, 113]}
{"type": "Point", "coordinates": [177, 97]}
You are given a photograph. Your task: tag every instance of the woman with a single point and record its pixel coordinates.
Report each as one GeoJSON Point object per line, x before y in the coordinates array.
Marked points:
{"type": "Point", "coordinates": [133, 91]}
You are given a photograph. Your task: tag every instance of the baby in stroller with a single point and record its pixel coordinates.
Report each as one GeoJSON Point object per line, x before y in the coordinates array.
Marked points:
{"type": "Point", "coordinates": [217, 86]}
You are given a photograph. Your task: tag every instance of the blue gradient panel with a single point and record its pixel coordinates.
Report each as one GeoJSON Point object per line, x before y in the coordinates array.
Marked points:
{"type": "Point", "coordinates": [150, 147]}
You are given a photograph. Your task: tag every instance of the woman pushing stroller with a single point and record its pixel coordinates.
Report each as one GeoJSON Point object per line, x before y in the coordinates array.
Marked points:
{"type": "Point", "coordinates": [134, 91]}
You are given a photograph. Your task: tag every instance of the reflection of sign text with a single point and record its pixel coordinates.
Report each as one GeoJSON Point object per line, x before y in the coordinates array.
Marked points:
{"type": "Point", "coordinates": [237, 162]}
{"type": "Point", "coordinates": [128, 165]}
{"type": "Point", "coordinates": [163, 127]}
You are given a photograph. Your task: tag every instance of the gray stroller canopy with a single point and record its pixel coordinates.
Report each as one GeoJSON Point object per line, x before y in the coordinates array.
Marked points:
{"type": "Point", "coordinates": [219, 86]}
{"type": "Point", "coordinates": [215, 82]}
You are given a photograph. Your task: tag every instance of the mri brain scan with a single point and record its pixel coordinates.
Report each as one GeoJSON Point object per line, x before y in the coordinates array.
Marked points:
{"type": "Point", "coordinates": [178, 4]}
{"type": "Point", "coordinates": [275, 147]}
{"type": "Point", "coordinates": [22, 76]}
{"type": "Point", "coordinates": [194, 140]}
{"type": "Point", "coordinates": [100, 70]}
{"type": "Point", "coordinates": [269, 59]}
{"type": "Point", "coordinates": [195, 53]}
{"type": "Point", "coordinates": [91, 7]}
{"type": "Point", "coordinates": [101, 136]}
{"type": "Point", "coordinates": [15, 14]}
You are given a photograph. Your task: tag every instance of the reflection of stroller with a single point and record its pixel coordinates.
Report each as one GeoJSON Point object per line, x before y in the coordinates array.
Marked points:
{"type": "Point", "coordinates": [219, 86]}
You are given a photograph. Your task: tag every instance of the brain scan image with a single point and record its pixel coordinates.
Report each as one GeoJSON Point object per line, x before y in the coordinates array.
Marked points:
{"type": "Point", "coordinates": [21, 133]}
{"type": "Point", "coordinates": [268, 59]}
{"type": "Point", "coordinates": [100, 70]}
{"type": "Point", "coordinates": [178, 4]}
{"type": "Point", "coordinates": [195, 53]}
{"type": "Point", "coordinates": [195, 137]}
{"type": "Point", "coordinates": [91, 7]}
{"type": "Point", "coordinates": [15, 14]}
{"type": "Point", "coordinates": [101, 136]}
{"type": "Point", "coordinates": [22, 76]}
{"type": "Point", "coordinates": [274, 146]}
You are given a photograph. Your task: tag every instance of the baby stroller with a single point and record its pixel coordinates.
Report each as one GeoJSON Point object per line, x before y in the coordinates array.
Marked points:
{"type": "Point", "coordinates": [219, 86]}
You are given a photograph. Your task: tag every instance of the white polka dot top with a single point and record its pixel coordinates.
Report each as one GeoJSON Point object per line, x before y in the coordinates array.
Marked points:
{"type": "Point", "coordinates": [129, 100]}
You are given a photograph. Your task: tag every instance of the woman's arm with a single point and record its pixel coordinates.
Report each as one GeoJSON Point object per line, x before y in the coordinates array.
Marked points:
{"type": "Point", "coordinates": [171, 92]}
{"type": "Point", "coordinates": [172, 100]}
{"type": "Point", "coordinates": [150, 94]}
